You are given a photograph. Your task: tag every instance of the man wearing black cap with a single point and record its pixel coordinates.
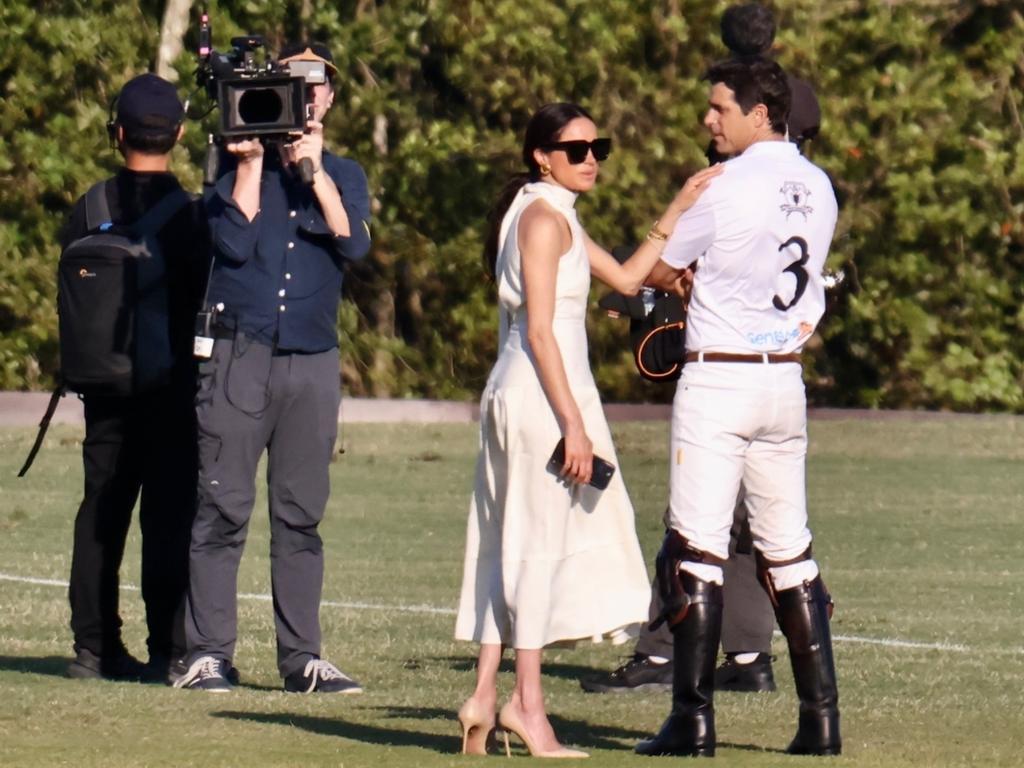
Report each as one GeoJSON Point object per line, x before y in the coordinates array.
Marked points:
{"type": "Point", "coordinates": [143, 441]}
{"type": "Point", "coordinates": [272, 384]}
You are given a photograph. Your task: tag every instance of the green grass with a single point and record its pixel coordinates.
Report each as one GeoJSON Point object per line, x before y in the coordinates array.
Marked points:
{"type": "Point", "coordinates": [918, 529]}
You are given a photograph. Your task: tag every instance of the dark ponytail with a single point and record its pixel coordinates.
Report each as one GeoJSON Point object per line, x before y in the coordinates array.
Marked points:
{"type": "Point", "coordinates": [544, 128]}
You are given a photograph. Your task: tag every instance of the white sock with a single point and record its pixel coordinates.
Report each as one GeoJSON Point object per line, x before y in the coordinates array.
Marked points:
{"type": "Point", "coordinates": [703, 571]}
{"type": "Point", "coordinates": [789, 576]}
{"type": "Point", "coordinates": [745, 658]}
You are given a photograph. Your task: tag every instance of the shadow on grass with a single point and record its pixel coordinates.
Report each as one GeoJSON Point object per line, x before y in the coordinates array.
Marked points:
{"type": "Point", "coordinates": [751, 748]}
{"type": "Point", "coordinates": [468, 663]}
{"type": "Point", "coordinates": [334, 726]}
{"type": "Point", "coordinates": [550, 669]}
{"type": "Point", "coordinates": [56, 666]}
{"type": "Point", "coordinates": [577, 732]}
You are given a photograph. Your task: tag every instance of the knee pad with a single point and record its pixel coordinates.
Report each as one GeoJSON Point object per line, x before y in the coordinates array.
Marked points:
{"type": "Point", "coordinates": [676, 551]}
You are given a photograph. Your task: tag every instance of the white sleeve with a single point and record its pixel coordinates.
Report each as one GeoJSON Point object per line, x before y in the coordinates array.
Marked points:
{"type": "Point", "coordinates": [693, 234]}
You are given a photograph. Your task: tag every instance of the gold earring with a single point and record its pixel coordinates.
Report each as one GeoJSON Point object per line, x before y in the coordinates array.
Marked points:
{"type": "Point", "coordinates": [545, 169]}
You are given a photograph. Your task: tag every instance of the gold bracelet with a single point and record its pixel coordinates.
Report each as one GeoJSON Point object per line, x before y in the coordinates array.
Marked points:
{"type": "Point", "coordinates": [655, 233]}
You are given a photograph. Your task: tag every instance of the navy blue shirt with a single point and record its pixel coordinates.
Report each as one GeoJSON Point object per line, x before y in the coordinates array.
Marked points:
{"type": "Point", "coordinates": [279, 276]}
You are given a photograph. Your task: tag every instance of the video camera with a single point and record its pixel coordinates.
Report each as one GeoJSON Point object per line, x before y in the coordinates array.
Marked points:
{"type": "Point", "coordinates": [257, 96]}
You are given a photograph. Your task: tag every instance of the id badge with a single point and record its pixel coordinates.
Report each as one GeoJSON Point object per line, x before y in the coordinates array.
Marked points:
{"type": "Point", "coordinates": [202, 347]}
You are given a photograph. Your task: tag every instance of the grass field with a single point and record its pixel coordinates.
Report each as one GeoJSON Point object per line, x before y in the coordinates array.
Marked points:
{"type": "Point", "coordinates": [918, 531]}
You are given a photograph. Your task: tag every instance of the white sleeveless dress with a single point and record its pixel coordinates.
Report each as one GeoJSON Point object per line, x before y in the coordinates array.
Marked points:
{"type": "Point", "coordinates": [546, 562]}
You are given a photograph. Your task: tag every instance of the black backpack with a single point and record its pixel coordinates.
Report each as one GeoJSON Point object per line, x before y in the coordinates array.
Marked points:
{"type": "Point", "coordinates": [112, 305]}
{"type": "Point", "coordinates": [657, 327]}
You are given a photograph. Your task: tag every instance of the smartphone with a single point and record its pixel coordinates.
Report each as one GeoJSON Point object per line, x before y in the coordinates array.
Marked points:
{"type": "Point", "coordinates": [601, 470]}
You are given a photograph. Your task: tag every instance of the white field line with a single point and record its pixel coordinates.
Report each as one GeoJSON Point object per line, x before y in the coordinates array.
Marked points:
{"type": "Point", "coordinates": [261, 598]}
{"type": "Point", "coordinates": [882, 641]}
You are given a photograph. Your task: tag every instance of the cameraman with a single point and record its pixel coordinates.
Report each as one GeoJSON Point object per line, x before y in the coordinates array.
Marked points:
{"type": "Point", "coordinates": [272, 383]}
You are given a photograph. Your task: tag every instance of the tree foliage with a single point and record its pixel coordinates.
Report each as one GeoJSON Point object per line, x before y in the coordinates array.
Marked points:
{"type": "Point", "coordinates": [922, 135]}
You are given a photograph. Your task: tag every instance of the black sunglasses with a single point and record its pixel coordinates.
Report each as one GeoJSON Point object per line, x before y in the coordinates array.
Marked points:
{"type": "Point", "coordinates": [576, 151]}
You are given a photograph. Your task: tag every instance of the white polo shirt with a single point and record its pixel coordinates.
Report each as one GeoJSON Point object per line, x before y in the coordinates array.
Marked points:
{"type": "Point", "coordinates": [759, 234]}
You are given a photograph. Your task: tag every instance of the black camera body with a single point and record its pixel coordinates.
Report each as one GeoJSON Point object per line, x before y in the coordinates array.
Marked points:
{"type": "Point", "coordinates": [255, 98]}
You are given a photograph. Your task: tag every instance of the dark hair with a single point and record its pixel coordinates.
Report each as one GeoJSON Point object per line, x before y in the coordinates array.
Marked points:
{"type": "Point", "coordinates": [544, 128]}
{"type": "Point", "coordinates": [755, 80]}
{"type": "Point", "coordinates": [748, 29]}
{"type": "Point", "coordinates": [149, 142]}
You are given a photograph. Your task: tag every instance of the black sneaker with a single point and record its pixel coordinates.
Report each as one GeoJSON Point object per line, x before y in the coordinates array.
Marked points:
{"type": "Point", "coordinates": [207, 673]}
{"type": "Point", "coordinates": [321, 676]}
{"type": "Point", "coordinates": [755, 677]}
{"type": "Point", "coordinates": [157, 669]}
{"type": "Point", "coordinates": [120, 666]}
{"type": "Point", "coordinates": [637, 674]}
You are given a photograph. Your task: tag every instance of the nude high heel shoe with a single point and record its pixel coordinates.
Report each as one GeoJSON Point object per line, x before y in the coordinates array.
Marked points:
{"type": "Point", "coordinates": [477, 728]}
{"type": "Point", "coordinates": [509, 720]}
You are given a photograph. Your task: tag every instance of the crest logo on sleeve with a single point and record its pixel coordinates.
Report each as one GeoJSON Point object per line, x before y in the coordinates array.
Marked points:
{"type": "Point", "coordinates": [796, 196]}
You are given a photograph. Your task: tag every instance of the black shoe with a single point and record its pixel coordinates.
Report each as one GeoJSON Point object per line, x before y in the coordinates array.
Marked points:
{"type": "Point", "coordinates": [157, 669]}
{"type": "Point", "coordinates": [689, 730]}
{"type": "Point", "coordinates": [207, 673]}
{"type": "Point", "coordinates": [321, 676]}
{"type": "Point", "coordinates": [120, 666]}
{"type": "Point", "coordinates": [803, 615]}
{"type": "Point", "coordinates": [755, 677]}
{"type": "Point", "coordinates": [637, 674]}
{"type": "Point", "coordinates": [691, 735]}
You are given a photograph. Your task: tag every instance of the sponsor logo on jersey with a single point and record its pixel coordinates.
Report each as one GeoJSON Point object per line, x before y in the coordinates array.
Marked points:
{"type": "Point", "coordinates": [795, 195]}
{"type": "Point", "coordinates": [775, 338]}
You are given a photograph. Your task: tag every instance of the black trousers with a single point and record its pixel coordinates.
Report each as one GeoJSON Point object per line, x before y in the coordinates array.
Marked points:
{"type": "Point", "coordinates": [144, 444]}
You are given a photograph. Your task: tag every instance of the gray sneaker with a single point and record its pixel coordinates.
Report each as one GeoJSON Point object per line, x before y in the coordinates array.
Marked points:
{"type": "Point", "coordinates": [178, 668]}
{"type": "Point", "coordinates": [321, 676]}
{"type": "Point", "coordinates": [207, 673]}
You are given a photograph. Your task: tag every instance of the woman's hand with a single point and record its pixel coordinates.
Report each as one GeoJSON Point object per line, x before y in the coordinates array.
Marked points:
{"type": "Point", "coordinates": [693, 189]}
{"type": "Point", "coordinates": [579, 455]}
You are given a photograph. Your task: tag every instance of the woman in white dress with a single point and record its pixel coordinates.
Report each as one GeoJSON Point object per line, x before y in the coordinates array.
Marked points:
{"type": "Point", "coordinates": [548, 557]}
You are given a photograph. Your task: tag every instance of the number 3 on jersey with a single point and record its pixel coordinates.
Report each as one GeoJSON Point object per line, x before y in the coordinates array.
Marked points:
{"type": "Point", "coordinates": [798, 272]}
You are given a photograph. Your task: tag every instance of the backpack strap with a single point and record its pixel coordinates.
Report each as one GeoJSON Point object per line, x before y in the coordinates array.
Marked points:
{"type": "Point", "coordinates": [44, 425]}
{"type": "Point", "coordinates": [97, 209]}
{"type": "Point", "coordinates": [157, 216]}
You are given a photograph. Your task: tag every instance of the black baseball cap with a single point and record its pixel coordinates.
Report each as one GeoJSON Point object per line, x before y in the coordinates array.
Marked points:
{"type": "Point", "coordinates": [149, 103]}
{"type": "Point", "coordinates": [308, 51]}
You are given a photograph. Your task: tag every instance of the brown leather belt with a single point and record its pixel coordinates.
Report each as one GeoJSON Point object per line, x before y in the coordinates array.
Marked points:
{"type": "Point", "coordinates": [735, 357]}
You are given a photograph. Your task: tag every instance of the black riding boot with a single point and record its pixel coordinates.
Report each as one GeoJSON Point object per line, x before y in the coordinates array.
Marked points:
{"type": "Point", "coordinates": [690, 728]}
{"type": "Point", "coordinates": [804, 619]}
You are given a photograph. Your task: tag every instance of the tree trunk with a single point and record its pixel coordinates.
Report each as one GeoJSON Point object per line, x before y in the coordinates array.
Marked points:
{"type": "Point", "coordinates": [172, 35]}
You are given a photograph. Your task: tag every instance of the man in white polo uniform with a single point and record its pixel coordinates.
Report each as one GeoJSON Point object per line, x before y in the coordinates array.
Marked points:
{"type": "Point", "coordinates": [757, 241]}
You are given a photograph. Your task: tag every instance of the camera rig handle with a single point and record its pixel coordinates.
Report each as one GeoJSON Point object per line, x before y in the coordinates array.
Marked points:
{"type": "Point", "coordinates": [306, 171]}
{"type": "Point", "coordinates": [211, 163]}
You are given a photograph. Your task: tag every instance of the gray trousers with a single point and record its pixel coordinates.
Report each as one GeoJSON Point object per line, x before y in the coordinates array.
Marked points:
{"type": "Point", "coordinates": [251, 400]}
{"type": "Point", "coordinates": [747, 616]}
